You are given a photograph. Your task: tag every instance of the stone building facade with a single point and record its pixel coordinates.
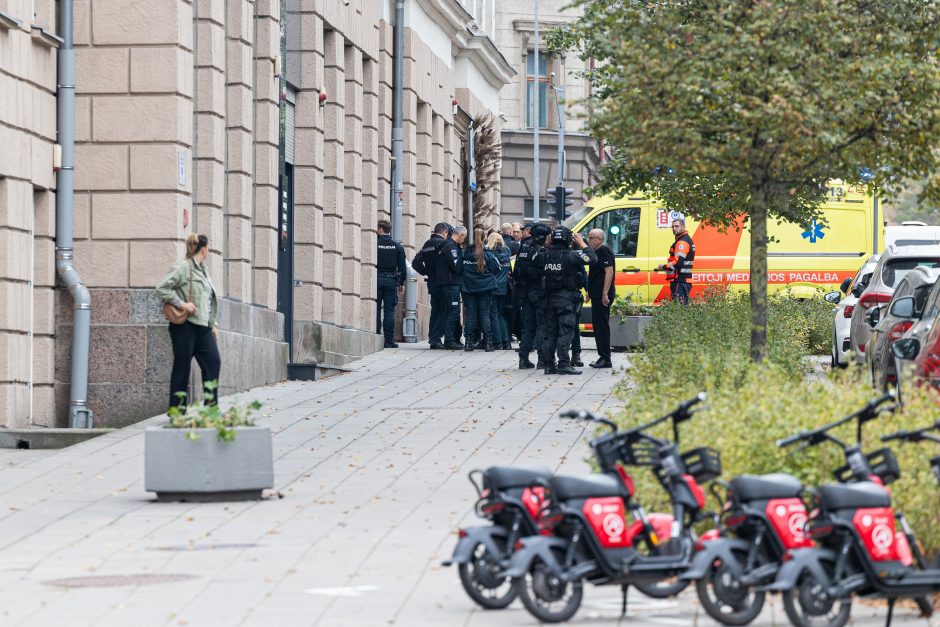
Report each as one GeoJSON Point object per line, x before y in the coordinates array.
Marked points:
{"type": "Point", "coordinates": [178, 115]}
{"type": "Point", "coordinates": [515, 35]}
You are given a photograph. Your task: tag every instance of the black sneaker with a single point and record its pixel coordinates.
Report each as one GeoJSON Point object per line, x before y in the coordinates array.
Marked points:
{"type": "Point", "coordinates": [602, 363]}
{"type": "Point", "coordinates": [390, 344]}
{"type": "Point", "coordinates": [576, 360]}
{"type": "Point", "coordinates": [567, 370]}
{"type": "Point", "coordinates": [452, 346]}
{"type": "Point", "coordinates": [436, 346]}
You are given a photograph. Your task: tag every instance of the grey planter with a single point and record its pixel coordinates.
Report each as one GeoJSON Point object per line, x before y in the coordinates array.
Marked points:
{"type": "Point", "coordinates": [627, 331]}
{"type": "Point", "coordinates": [208, 469]}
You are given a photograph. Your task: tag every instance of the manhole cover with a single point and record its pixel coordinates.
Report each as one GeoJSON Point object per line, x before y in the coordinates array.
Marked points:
{"type": "Point", "coordinates": [116, 581]}
{"type": "Point", "coordinates": [206, 547]}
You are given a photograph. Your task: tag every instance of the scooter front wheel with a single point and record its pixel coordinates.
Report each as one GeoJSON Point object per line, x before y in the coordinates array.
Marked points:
{"type": "Point", "coordinates": [808, 605]}
{"type": "Point", "coordinates": [481, 581]}
{"type": "Point", "coordinates": [725, 599]}
{"type": "Point", "coordinates": [667, 587]}
{"type": "Point", "coordinates": [546, 596]}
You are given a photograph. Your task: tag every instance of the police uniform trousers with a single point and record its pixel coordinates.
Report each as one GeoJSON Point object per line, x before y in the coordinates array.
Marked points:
{"type": "Point", "coordinates": [560, 326]}
{"type": "Point", "coordinates": [386, 297]}
{"type": "Point", "coordinates": [451, 311]}
{"type": "Point", "coordinates": [533, 323]}
{"type": "Point", "coordinates": [438, 314]}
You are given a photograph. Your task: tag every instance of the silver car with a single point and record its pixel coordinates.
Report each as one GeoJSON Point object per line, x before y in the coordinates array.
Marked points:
{"type": "Point", "coordinates": [893, 320]}
{"type": "Point", "coordinates": [894, 264]}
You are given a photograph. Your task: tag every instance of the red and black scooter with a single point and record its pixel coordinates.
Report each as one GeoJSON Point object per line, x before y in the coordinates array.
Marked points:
{"type": "Point", "coordinates": [762, 521]}
{"type": "Point", "coordinates": [512, 499]}
{"type": "Point", "coordinates": [591, 540]}
{"type": "Point", "coordinates": [858, 548]}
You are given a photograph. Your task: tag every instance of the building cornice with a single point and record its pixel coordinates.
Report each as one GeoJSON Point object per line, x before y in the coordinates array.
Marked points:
{"type": "Point", "coordinates": [448, 14]}
{"type": "Point", "coordinates": [528, 26]}
{"type": "Point", "coordinates": [483, 53]}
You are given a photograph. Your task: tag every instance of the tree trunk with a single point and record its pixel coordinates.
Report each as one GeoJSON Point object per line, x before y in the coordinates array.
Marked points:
{"type": "Point", "coordinates": [758, 278]}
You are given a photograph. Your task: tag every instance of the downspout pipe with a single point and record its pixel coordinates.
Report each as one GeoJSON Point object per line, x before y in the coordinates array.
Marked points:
{"type": "Point", "coordinates": [80, 416]}
{"type": "Point", "coordinates": [409, 323]}
{"type": "Point", "coordinates": [398, 91]}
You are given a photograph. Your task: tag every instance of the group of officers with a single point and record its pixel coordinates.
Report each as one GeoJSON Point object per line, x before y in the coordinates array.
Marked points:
{"type": "Point", "coordinates": [547, 282]}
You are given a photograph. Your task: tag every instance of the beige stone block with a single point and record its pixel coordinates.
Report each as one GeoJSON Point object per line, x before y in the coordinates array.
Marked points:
{"type": "Point", "coordinates": [266, 165]}
{"type": "Point", "coordinates": [83, 118]}
{"type": "Point", "coordinates": [211, 51]}
{"type": "Point", "coordinates": [43, 407]}
{"type": "Point", "coordinates": [44, 311]}
{"type": "Point", "coordinates": [239, 20]}
{"type": "Point", "coordinates": [333, 197]}
{"type": "Point", "coordinates": [41, 162]}
{"type": "Point", "coordinates": [14, 315]}
{"type": "Point", "coordinates": [100, 167]}
{"type": "Point", "coordinates": [211, 10]}
{"type": "Point", "coordinates": [156, 167]}
{"type": "Point", "coordinates": [266, 82]}
{"type": "Point", "coordinates": [16, 205]}
{"type": "Point", "coordinates": [332, 238]}
{"type": "Point", "coordinates": [14, 264]}
{"type": "Point", "coordinates": [149, 261]}
{"type": "Point", "coordinates": [210, 136]}
{"type": "Point", "coordinates": [162, 70]}
{"type": "Point", "coordinates": [334, 159]}
{"type": "Point", "coordinates": [210, 182]}
{"type": "Point", "coordinates": [81, 22]}
{"type": "Point", "coordinates": [239, 201]}
{"type": "Point", "coordinates": [238, 68]}
{"type": "Point", "coordinates": [125, 216]}
{"type": "Point", "coordinates": [306, 258]}
{"type": "Point", "coordinates": [117, 118]}
{"type": "Point", "coordinates": [101, 70]}
{"type": "Point", "coordinates": [238, 242]}
{"type": "Point", "coordinates": [81, 215]}
{"type": "Point", "coordinates": [265, 248]}
{"type": "Point", "coordinates": [240, 109]}
{"type": "Point", "coordinates": [13, 346]}
{"type": "Point", "coordinates": [308, 302]}
{"type": "Point", "coordinates": [117, 22]}
{"type": "Point", "coordinates": [334, 86]}
{"type": "Point", "coordinates": [266, 207]}
{"type": "Point", "coordinates": [238, 280]}
{"type": "Point", "coordinates": [44, 359]}
{"type": "Point", "coordinates": [265, 285]}
{"type": "Point", "coordinates": [239, 158]}
{"type": "Point", "coordinates": [268, 41]}
{"type": "Point", "coordinates": [332, 303]}
{"type": "Point", "coordinates": [267, 124]}
{"type": "Point", "coordinates": [102, 264]}
{"type": "Point", "coordinates": [44, 262]}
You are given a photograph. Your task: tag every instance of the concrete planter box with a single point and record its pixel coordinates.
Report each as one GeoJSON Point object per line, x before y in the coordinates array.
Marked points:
{"type": "Point", "coordinates": [208, 469]}
{"type": "Point", "coordinates": [627, 331]}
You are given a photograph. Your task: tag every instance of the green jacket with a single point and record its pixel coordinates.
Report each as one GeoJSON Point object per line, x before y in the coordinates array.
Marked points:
{"type": "Point", "coordinates": [174, 289]}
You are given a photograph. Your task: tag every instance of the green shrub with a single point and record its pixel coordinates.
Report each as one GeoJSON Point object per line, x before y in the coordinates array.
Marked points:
{"type": "Point", "coordinates": [705, 347]}
{"type": "Point", "coordinates": [205, 416]}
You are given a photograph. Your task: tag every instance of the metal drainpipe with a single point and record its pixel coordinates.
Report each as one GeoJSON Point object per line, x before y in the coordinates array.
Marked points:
{"type": "Point", "coordinates": [409, 323]}
{"type": "Point", "coordinates": [398, 90]}
{"type": "Point", "coordinates": [80, 416]}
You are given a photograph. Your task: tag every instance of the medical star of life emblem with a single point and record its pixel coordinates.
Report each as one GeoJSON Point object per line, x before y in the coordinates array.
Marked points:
{"type": "Point", "coordinates": [814, 232]}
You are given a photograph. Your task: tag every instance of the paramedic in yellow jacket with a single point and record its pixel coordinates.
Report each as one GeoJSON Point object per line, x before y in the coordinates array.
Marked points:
{"type": "Point", "coordinates": [678, 266]}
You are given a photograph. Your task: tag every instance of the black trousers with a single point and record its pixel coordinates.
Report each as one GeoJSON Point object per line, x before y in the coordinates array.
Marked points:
{"type": "Point", "coordinates": [533, 326]}
{"type": "Point", "coordinates": [560, 327]}
{"type": "Point", "coordinates": [192, 340]}
{"type": "Point", "coordinates": [386, 297]}
{"type": "Point", "coordinates": [600, 320]}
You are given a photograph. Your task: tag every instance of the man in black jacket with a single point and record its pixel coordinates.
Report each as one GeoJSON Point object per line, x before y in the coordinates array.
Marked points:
{"type": "Point", "coordinates": [447, 278]}
{"type": "Point", "coordinates": [562, 280]}
{"type": "Point", "coordinates": [528, 282]}
{"type": "Point", "coordinates": [391, 272]}
{"type": "Point", "coordinates": [425, 263]}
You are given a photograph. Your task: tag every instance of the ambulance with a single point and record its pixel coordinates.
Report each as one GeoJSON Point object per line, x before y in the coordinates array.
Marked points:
{"type": "Point", "coordinates": [808, 259]}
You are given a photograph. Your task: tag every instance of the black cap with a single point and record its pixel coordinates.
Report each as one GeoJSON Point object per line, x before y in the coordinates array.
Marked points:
{"type": "Point", "coordinates": [539, 230]}
{"type": "Point", "coordinates": [562, 234]}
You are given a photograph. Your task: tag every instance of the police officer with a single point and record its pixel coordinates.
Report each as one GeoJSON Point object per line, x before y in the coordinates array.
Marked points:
{"type": "Point", "coordinates": [448, 269]}
{"type": "Point", "coordinates": [528, 284]}
{"type": "Point", "coordinates": [425, 263]}
{"type": "Point", "coordinates": [678, 266]}
{"type": "Point", "coordinates": [562, 270]}
{"type": "Point", "coordinates": [391, 272]}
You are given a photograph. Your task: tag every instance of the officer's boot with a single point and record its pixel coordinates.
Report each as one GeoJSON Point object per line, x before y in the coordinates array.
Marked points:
{"type": "Point", "coordinates": [576, 359]}
{"type": "Point", "coordinates": [550, 368]}
{"type": "Point", "coordinates": [567, 370]}
{"type": "Point", "coordinates": [541, 361]}
{"type": "Point", "coordinates": [488, 344]}
{"type": "Point", "coordinates": [524, 363]}
{"type": "Point", "coordinates": [468, 345]}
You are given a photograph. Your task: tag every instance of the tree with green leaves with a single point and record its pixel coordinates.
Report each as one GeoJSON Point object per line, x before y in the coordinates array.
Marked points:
{"type": "Point", "coordinates": [735, 110]}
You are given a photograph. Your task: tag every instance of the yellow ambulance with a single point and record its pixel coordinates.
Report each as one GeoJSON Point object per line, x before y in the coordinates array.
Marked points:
{"type": "Point", "coordinates": [808, 259]}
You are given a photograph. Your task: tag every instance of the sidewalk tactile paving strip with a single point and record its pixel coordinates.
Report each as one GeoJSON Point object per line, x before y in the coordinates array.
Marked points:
{"type": "Point", "coordinates": [116, 581]}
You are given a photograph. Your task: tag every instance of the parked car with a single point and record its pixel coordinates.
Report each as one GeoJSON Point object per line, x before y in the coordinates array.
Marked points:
{"type": "Point", "coordinates": [845, 301]}
{"type": "Point", "coordinates": [917, 353]}
{"type": "Point", "coordinates": [894, 264]}
{"type": "Point", "coordinates": [912, 233]}
{"type": "Point", "coordinates": [893, 320]}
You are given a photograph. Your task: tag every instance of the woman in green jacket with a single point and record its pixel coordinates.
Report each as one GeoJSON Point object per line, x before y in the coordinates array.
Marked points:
{"type": "Point", "coordinates": [187, 286]}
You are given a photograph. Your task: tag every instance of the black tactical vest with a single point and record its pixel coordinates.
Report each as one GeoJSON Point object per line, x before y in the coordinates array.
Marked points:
{"type": "Point", "coordinates": [558, 273]}
{"type": "Point", "coordinates": [387, 260]}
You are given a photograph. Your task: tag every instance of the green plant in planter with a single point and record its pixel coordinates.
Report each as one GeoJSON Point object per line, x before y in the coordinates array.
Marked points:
{"type": "Point", "coordinates": [626, 306]}
{"type": "Point", "coordinates": [203, 416]}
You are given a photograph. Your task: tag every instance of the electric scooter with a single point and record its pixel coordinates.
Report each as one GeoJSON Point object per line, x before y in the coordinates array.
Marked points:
{"type": "Point", "coordinates": [590, 539]}
{"type": "Point", "coordinates": [858, 548]}
{"type": "Point", "coordinates": [762, 521]}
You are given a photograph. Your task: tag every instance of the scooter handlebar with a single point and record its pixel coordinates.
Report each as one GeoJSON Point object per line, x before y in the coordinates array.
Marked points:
{"type": "Point", "coordinates": [793, 439]}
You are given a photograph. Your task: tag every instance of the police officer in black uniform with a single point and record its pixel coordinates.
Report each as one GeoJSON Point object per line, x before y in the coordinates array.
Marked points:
{"type": "Point", "coordinates": [391, 272]}
{"type": "Point", "coordinates": [528, 284]}
{"type": "Point", "coordinates": [425, 263]}
{"type": "Point", "coordinates": [561, 278]}
{"type": "Point", "coordinates": [448, 269]}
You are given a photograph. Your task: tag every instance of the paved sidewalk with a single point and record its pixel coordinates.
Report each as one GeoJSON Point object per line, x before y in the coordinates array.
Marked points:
{"type": "Point", "coordinates": [370, 471]}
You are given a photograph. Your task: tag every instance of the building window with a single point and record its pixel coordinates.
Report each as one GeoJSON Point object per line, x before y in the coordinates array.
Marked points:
{"type": "Point", "coordinates": [540, 83]}
{"type": "Point", "coordinates": [546, 210]}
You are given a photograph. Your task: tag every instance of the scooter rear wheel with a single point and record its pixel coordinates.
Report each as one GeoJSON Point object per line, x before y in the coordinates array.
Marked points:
{"type": "Point", "coordinates": [481, 581]}
{"type": "Point", "coordinates": [724, 598]}
{"type": "Point", "coordinates": [807, 605]}
{"type": "Point", "coordinates": [545, 596]}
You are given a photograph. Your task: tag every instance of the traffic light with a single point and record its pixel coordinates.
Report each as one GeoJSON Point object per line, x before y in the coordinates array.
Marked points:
{"type": "Point", "coordinates": [560, 200]}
